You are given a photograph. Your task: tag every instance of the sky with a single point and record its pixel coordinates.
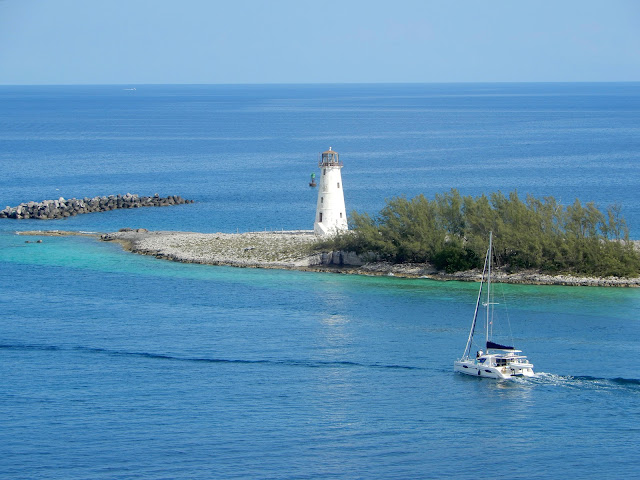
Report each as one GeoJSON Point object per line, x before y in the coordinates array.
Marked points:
{"type": "Point", "coordinates": [319, 41]}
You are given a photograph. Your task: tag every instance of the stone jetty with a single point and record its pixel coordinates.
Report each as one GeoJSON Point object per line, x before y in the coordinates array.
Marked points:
{"type": "Point", "coordinates": [61, 208]}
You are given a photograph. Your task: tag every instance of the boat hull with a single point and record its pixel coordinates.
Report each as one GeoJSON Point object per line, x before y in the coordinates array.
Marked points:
{"type": "Point", "coordinates": [474, 369]}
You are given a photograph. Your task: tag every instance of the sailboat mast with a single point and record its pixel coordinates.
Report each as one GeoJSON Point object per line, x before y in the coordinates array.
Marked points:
{"type": "Point", "coordinates": [489, 255]}
{"type": "Point", "coordinates": [467, 348]}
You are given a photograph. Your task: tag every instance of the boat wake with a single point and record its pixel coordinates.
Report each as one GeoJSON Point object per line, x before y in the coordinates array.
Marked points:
{"type": "Point", "coordinates": [586, 382]}
{"type": "Point", "coordinates": [177, 358]}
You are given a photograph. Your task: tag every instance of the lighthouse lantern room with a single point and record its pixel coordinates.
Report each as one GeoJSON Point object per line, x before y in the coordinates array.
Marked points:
{"type": "Point", "coordinates": [331, 215]}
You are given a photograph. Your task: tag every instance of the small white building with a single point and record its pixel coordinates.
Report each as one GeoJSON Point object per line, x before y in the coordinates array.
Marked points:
{"type": "Point", "coordinates": [331, 215]}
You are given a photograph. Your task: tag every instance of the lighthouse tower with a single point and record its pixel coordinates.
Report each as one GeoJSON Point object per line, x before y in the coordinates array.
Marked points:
{"type": "Point", "coordinates": [331, 215]}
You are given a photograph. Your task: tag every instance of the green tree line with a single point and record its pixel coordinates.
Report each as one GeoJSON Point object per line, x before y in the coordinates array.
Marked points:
{"type": "Point", "coordinates": [451, 232]}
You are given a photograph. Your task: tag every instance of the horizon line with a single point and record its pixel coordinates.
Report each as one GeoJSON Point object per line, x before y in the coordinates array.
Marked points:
{"type": "Point", "coordinates": [320, 83]}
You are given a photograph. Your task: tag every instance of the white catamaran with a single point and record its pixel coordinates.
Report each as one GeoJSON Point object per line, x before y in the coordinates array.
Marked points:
{"type": "Point", "coordinates": [499, 361]}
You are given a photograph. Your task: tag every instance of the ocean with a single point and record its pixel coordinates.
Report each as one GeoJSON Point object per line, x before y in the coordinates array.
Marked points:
{"type": "Point", "coordinates": [121, 366]}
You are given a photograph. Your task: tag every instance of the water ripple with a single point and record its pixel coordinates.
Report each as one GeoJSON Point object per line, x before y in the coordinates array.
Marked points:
{"type": "Point", "coordinates": [160, 356]}
{"type": "Point", "coordinates": [588, 382]}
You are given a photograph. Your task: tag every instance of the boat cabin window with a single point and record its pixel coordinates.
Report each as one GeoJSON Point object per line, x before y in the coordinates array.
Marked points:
{"type": "Point", "coordinates": [501, 362]}
{"type": "Point", "coordinates": [482, 360]}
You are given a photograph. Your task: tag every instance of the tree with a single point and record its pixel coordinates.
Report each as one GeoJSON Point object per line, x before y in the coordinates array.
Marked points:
{"type": "Point", "coordinates": [451, 232]}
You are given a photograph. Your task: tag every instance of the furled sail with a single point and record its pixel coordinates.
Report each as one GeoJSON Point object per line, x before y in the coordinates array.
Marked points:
{"type": "Point", "coordinates": [497, 346]}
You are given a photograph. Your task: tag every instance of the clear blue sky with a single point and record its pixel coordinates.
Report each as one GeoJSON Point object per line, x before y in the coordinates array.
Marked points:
{"type": "Point", "coordinates": [319, 41]}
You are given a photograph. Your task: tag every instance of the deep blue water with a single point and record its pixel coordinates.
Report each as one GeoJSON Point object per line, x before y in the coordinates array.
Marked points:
{"type": "Point", "coordinates": [121, 366]}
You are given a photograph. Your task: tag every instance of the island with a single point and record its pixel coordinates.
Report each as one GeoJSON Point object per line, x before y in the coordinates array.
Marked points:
{"type": "Point", "coordinates": [536, 241]}
{"type": "Point", "coordinates": [297, 250]}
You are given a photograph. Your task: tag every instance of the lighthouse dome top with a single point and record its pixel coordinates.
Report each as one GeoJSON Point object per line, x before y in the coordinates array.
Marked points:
{"type": "Point", "coordinates": [329, 158]}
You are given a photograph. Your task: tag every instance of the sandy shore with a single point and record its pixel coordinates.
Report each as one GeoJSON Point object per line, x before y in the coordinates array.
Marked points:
{"type": "Point", "coordinates": [292, 250]}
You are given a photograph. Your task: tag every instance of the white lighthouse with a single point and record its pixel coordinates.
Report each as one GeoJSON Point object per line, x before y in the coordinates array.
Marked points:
{"type": "Point", "coordinates": [331, 216]}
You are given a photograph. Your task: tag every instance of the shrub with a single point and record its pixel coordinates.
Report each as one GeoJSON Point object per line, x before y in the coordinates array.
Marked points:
{"type": "Point", "coordinates": [451, 232]}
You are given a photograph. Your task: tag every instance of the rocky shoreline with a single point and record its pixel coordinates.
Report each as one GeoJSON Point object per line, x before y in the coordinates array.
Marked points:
{"type": "Point", "coordinates": [61, 208]}
{"type": "Point", "coordinates": [287, 250]}
{"type": "Point", "coordinates": [292, 250]}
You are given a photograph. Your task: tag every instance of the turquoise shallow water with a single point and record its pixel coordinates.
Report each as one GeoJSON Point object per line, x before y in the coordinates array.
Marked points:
{"type": "Point", "coordinates": [122, 366]}
{"type": "Point", "coordinates": [117, 365]}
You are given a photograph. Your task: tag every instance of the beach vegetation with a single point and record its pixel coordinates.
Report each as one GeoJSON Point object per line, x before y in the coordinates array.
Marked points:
{"type": "Point", "coordinates": [451, 232]}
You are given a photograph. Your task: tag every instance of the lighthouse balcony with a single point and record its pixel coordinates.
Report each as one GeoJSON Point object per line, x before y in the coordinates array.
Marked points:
{"type": "Point", "coordinates": [325, 163]}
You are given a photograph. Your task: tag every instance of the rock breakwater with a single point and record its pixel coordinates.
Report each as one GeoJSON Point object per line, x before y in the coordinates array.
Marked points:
{"type": "Point", "coordinates": [61, 208]}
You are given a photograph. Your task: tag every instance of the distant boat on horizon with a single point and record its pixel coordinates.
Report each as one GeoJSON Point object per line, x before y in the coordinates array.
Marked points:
{"type": "Point", "coordinates": [131, 89]}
